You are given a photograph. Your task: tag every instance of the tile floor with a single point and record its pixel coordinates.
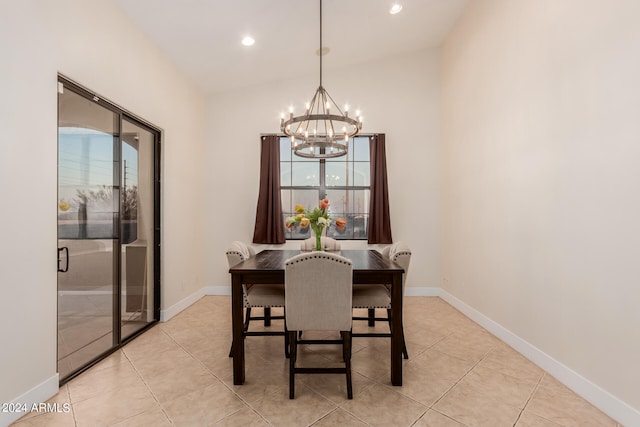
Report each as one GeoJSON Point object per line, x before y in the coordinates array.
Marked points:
{"type": "Point", "coordinates": [178, 373]}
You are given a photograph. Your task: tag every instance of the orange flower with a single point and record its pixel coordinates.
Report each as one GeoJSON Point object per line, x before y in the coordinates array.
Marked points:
{"type": "Point", "coordinates": [304, 222]}
{"type": "Point", "coordinates": [290, 222]}
{"type": "Point", "coordinates": [324, 203]}
{"type": "Point", "coordinates": [341, 223]}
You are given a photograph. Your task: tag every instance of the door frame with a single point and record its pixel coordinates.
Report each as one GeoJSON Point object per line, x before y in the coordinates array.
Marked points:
{"type": "Point", "coordinates": [122, 114]}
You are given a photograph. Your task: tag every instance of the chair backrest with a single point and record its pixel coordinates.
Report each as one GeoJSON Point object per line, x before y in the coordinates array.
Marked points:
{"type": "Point", "coordinates": [318, 292]}
{"type": "Point", "coordinates": [239, 251]}
{"type": "Point", "coordinates": [400, 253]}
{"type": "Point", "coordinates": [328, 244]}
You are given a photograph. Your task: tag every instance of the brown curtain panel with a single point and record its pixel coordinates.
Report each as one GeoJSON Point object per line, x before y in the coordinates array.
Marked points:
{"type": "Point", "coordinates": [269, 223]}
{"type": "Point", "coordinates": [379, 220]}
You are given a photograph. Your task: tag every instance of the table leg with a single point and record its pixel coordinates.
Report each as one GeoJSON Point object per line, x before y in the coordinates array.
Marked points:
{"type": "Point", "coordinates": [396, 332]}
{"type": "Point", "coordinates": [237, 326]}
{"type": "Point", "coordinates": [267, 316]}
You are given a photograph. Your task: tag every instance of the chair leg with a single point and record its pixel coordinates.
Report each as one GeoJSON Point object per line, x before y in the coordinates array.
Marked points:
{"type": "Point", "coordinates": [286, 342]}
{"type": "Point", "coordinates": [404, 347]}
{"type": "Point", "coordinates": [247, 319]}
{"type": "Point", "coordinates": [293, 340]}
{"type": "Point", "coordinates": [267, 316]}
{"type": "Point", "coordinates": [404, 343]}
{"type": "Point", "coordinates": [346, 350]}
{"type": "Point", "coordinates": [372, 316]}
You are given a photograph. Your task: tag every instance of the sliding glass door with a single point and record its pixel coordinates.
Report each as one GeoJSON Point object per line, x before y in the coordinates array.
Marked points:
{"type": "Point", "coordinates": [108, 189]}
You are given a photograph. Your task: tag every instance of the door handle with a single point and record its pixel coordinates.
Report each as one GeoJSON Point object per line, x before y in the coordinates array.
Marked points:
{"type": "Point", "coordinates": [66, 267]}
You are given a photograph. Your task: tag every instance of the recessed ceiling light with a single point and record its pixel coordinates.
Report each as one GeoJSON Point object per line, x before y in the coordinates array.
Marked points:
{"type": "Point", "coordinates": [248, 41]}
{"type": "Point", "coordinates": [395, 8]}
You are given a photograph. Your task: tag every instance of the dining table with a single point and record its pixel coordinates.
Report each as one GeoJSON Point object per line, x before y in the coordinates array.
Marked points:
{"type": "Point", "coordinates": [268, 267]}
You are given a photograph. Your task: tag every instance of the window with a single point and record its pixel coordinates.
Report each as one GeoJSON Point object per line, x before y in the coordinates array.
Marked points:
{"type": "Point", "coordinates": [344, 180]}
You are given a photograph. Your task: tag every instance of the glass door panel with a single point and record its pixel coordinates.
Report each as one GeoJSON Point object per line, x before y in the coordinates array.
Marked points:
{"type": "Point", "coordinates": [137, 297]}
{"type": "Point", "coordinates": [88, 209]}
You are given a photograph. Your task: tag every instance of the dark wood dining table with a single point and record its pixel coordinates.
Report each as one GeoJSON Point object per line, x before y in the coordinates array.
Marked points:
{"type": "Point", "coordinates": [267, 267]}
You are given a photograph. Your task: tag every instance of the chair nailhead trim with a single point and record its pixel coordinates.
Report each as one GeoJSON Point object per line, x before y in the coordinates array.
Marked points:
{"type": "Point", "coordinates": [315, 255]}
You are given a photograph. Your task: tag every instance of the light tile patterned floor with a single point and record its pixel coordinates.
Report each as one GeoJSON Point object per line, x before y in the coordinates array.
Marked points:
{"type": "Point", "coordinates": [458, 374]}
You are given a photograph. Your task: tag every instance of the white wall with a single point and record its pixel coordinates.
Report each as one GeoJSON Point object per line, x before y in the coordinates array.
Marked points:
{"type": "Point", "coordinates": [91, 42]}
{"type": "Point", "coordinates": [541, 137]}
{"type": "Point", "coordinates": [398, 96]}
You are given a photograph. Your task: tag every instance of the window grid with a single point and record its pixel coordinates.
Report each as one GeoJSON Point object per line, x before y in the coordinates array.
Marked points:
{"type": "Point", "coordinates": [347, 200]}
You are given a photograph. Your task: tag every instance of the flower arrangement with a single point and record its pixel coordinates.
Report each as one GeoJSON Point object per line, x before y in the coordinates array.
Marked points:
{"type": "Point", "coordinates": [318, 218]}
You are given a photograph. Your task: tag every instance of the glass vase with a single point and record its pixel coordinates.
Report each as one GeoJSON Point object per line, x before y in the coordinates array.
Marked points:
{"type": "Point", "coordinates": [317, 231]}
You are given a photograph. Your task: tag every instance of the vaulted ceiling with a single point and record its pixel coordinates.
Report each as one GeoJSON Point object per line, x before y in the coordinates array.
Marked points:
{"type": "Point", "coordinates": [203, 37]}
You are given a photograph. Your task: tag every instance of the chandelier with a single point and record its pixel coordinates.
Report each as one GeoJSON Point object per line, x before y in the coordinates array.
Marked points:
{"type": "Point", "coordinates": [323, 131]}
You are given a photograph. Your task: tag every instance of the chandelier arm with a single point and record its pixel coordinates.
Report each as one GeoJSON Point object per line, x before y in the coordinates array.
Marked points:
{"type": "Point", "coordinates": [335, 103]}
{"type": "Point", "coordinates": [313, 101]}
{"type": "Point", "coordinates": [324, 111]}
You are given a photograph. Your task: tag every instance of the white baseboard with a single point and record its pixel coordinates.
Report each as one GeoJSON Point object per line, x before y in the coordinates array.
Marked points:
{"type": "Point", "coordinates": [38, 394]}
{"type": "Point", "coordinates": [598, 397]}
{"type": "Point", "coordinates": [176, 308]}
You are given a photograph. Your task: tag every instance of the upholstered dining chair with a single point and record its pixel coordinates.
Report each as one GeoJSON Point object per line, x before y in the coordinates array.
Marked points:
{"type": "Point", "coordinates": [379, 296]}
{"type": "Point", "coordinates": [328, 244]}
{"type": "Point", "coordinates": [318, 293]}
{"type": "Point", "coordinates": [262, 296]}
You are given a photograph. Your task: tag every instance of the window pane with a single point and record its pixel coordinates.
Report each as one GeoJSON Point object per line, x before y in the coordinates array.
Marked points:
{"type": "Point", "coordinates": [337, 174]}
{"type": "Point", "coordinates": [305, 174]}
{"type": "Point", "coordinates": [339, 202]}
{"type": "Point", "coordinates": [286, 201]}
{"type": "Point", "coordinates": [360, 148]}
{"type": "Point", "coordinates": [285, 149]}
{"type": "Point", "coordinates": [360, 200]}
{"type": "Point", "coordinates": [361, 173]}
{"type": "Point", "coordinates": [285, 174]}
{"type": "Point", "coordinates": [307, 198]}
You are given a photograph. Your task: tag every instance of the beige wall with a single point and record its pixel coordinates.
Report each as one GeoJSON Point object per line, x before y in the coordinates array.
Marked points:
{"type": "Point", "coordinates": [541, 141]}
{"type": "Point", "coordinates": [399, 96]}
{"type": "Point", "coordinates": [92, 42]}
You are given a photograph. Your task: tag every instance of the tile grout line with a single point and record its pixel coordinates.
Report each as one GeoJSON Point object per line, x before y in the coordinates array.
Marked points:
{"type": "Point", "coordinates": [73, 411]}
{"type": "Point", "coordinates": [529, 399]}
{"type": "Point", "coordinates": [460, 379]}
{"type": "Point", "coordinates": [147, 385]}
{"type": "Point", "coordinates": [248, 405]}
